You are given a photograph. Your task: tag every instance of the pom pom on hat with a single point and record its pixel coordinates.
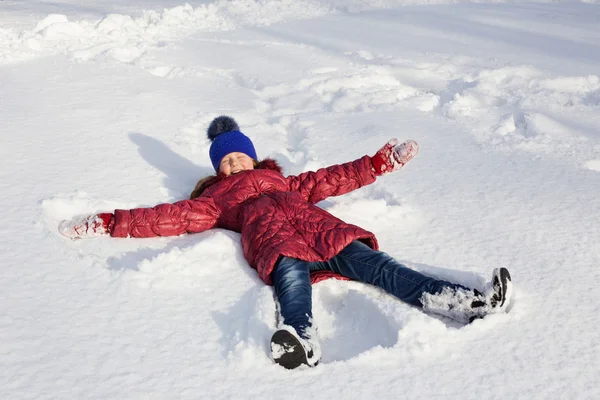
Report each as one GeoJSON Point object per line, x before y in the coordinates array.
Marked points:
{"type": "Point", "coordinates": [220, 125]}
{"type": "Point", "coordinates": [226, 138]}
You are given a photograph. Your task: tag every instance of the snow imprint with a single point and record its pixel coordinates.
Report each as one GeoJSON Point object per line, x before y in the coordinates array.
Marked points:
{"type": "Point", "coordinates": [522, 107]}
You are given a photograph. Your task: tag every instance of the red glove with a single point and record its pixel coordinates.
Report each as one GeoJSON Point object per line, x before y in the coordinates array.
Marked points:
{"type": "Point", "coordinates": [87, 226]}
{"type": "Point", "coordinates": [393, 156]}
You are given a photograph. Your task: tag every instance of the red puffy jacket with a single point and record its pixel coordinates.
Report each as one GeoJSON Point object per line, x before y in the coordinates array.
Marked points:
{"type": "Point", "coordinates": [275, 215]}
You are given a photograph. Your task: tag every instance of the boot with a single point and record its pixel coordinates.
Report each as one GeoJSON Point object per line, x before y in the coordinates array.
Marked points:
{"type": "Point", "coordinates": [291, 351]}
{"type": "Point", "coordinates": [500, 289]}
{"type": "Point", "coordinates": [466, 305]}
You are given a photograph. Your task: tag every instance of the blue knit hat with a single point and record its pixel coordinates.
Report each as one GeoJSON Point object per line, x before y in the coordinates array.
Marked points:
{"type": "Point", "coordinates": [226, 138]}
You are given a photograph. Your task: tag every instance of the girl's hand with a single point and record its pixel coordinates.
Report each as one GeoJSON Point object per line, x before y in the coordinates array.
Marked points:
{"type": "Point", "coordinates": [87, 226]}
{"type": "Point", "coordinates": [393, 156]}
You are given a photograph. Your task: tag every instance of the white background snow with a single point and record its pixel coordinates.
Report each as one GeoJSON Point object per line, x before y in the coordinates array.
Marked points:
{"type": "Point", "coordinates": [105, 105]}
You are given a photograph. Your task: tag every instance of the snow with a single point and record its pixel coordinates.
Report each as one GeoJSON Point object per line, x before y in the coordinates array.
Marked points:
{"type": "Point", "coordinates": [106, 106]}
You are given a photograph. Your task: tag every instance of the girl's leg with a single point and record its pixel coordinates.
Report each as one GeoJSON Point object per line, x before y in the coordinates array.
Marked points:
{"type": "Point", "coordinates": [361, 263]}
{"type": "Point", "coordinates": [291, 280]}
{"type": "Point", "coordinates": [291, 348]}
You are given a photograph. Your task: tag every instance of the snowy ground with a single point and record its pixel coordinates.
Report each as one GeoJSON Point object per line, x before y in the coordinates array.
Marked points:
{"type": "Point", "coordinates": [105, 106]}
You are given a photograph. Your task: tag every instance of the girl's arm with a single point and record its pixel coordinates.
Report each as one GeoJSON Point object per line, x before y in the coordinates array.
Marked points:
{"type": "Point", "coordinates": [187, 216]}
{"type": "Point", "coordinates": [341, 179]}
{"type": "Point", "coordinates": [333, 181]}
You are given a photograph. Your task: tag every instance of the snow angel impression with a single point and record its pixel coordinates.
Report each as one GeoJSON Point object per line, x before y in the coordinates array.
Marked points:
{"type": "Point", "coordinates": [291, 242]}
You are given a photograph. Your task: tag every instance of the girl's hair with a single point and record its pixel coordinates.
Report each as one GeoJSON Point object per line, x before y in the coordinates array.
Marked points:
{"type": "Point", "coordinates": [199, 188]}
{"type": "Point", "coordinates": [203, 183]}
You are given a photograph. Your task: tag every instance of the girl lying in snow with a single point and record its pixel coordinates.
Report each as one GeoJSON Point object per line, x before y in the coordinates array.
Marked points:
{"type": "Point", "coordinates": [293, 243]}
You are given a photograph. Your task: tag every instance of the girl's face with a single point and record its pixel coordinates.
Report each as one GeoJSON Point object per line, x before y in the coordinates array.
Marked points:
{"type": "Point", "coordinates": [233, 163]}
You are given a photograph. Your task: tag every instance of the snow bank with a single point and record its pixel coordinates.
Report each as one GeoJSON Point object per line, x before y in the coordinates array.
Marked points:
{"type": "Point", "coordinates": [126, 38]}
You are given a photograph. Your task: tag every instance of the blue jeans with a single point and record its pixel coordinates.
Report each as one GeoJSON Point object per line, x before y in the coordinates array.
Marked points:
{"type": "Point", "coordinates": [358, 262]}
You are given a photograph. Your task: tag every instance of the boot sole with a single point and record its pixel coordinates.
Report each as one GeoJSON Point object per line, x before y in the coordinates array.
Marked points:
{"type": "Point", "coordinates": [287, 350]}
{"type": "Point", "coordinates": [505, 286]}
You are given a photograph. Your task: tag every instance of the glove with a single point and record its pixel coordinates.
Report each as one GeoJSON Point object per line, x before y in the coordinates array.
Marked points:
{"type": "Point", "coordinates": [393, 156]}
{"type": "Point", "coordinates": [87, 226]}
